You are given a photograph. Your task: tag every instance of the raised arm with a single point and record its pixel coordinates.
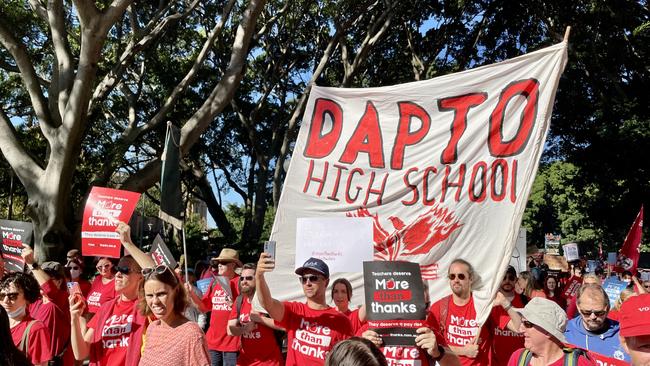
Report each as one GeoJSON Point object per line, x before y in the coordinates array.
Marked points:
{"type": "Point", "coordinates": [80, 336]}
{"type": "Point", "coordinates": [38, 273]}
{"type": "Point", "coordinates": [273, 307]}
{"type": "Point", "coordinates": [143, 259]}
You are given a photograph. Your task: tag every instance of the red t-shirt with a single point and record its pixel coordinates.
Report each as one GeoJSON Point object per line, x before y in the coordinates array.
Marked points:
{"type": "Point", "coordinates": [311, 334]}
{"type": "Point", "coordinates": [100, 294]}
{"type": "Point", "coordinates": [461, 329]}
{"type": "Point", "coordinates": [58, 325]}
{"type": "Point", "coordinates": [402, 356]}
{"type": "Point", "coordinates": [356, 323]}
{"type": "Point", "coordinates": [38, 347]}
{"type": "Point", "coordinates": [115, 336]}
{"type": "Point", "coordinates": [85, 286]}
{"type": "Point", "coordinates": [221, 304]}
{"type": "Point", "coordinates": [57, 296]}
{"type": "Point", "coordinates": [582, 361]}
{"type": "Point", "coordinates": [504, 341]}
{"type": "Point", "coordinates": [258, 347]}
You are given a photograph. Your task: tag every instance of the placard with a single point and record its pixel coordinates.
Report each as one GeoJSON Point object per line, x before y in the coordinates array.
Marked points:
{"type": "Point", "coordinates": [105, 207]}
{"type": "Point", "coordinates": [552, 244]}
{"type": "Point", "coordinates": [14, 235]}
{"type": "Point", "coordinates": [203, 285]}
{"type": "Point", "coordinates": [161, 254]}
{"type": "Point", "coordinates": [613, 287]}
{"type": "Point", "coordinates": [571, 252]}
{"type": "Point", "coordinates": [611, 258]}
{"type": "Point", "coordinates": [341, 242]}
{"type": "Point", "coordinates": [394, 300]}
{"type": "Point", "coordinates": [572, 286]}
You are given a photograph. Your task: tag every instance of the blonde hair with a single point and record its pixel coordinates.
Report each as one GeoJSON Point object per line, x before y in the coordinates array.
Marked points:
{"type": "Point", "coordinates": [625, 294]}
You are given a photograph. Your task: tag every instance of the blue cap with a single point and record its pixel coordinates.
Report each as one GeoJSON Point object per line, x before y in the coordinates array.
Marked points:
{"type": "Point", "coordinates": [316, 265]}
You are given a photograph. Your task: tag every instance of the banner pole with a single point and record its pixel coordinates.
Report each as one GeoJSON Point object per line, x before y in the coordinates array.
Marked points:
{"type": "Point", "coordinates": [566, 33]}
{"type": "Point", "coordinates": [185, 256]}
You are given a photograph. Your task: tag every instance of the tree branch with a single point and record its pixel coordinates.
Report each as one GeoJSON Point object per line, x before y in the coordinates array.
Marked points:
{"type": "Point", "coordinates": [28, 75]}
{"type": "Point", "coordinates": [22, 162]}
{"type": "Point", "coordinates": [39, 9]}
{"type": "Point", "coordinates": [225, 89]}
{"type": "Point", "coordinates": [63, 73]}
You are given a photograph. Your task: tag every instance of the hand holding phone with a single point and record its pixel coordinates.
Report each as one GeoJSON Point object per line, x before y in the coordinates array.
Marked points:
{"type": "Point", "coordinates": [269, 247]}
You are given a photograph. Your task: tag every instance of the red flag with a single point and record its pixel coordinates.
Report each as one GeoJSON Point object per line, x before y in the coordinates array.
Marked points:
{"type": "Point", "coordinates": [628, 256]}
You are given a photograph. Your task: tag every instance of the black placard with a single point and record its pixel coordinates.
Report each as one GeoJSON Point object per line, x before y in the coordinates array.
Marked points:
{"type": "Point", "coordinates": [14, 234]}
{"type": "Point", "coordinates": [394, 300]}
{"type": "Point", "coordinates": [161, 254]}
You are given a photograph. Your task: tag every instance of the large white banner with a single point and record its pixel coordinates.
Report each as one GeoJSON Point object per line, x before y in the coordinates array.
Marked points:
{"type": "Point", "coordinates": [443, 167]}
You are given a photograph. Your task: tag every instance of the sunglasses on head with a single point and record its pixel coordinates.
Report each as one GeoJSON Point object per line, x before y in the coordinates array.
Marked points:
{"type": "Point", "coordinates": [11, 296]}
{"type": "Point", "coordinates": [159, 269]}
{"type": "Point", "coordinates": [461, 276]}
{"type": "Point", "coordinates": [123, 270]}
{"type": "Point", "coordinates": [246, 278]}
{"type": "Point", "coordinates": [309, 278]}
{"type": "Point", "coordinates": [597, 313]}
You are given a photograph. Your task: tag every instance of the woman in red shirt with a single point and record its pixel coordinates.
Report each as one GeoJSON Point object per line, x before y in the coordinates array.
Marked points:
{"type": "Point", "coordinates": [553, 292]}
{"type": "Point", "coordinates": [171, 339]}
{"type": "Point", "coordinates": [17, 291]}
{"type": "Point", "coordinates": [76, 267]}
{"type": "Point", "coordinates": [103, 286]}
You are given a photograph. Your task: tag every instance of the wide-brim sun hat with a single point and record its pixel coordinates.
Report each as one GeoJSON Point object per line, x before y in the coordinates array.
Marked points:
{"type": "Point", "coordinates": [228, 255]}
{"type": "Point", "coordinates": [547, 315]}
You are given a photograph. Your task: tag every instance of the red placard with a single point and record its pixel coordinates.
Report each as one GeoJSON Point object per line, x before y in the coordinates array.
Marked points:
{"type": "Point", "coordinates": [105, 207]}
{"type": "Point", "coordinates": [572, 286]}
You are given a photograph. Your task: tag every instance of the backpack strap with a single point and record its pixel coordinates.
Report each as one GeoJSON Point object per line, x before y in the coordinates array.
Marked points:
{"type": "Point", "coordinates": [524, 357]}
{"type": "Point", "coordinates": [571, 356]}
{"type": "Point", "coordinates": [24, 342]}
{"type": "Point", "coordinates": [444, 309]}
{"type": "Point", "coordinates": [238, 303]}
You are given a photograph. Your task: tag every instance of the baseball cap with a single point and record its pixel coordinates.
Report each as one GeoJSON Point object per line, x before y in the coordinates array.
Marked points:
{"type": "Point", "coordinates": [511, 270]}
{"type": "Point", "coordinates": [316, 265]}
{"type": "Point", "coordinates": [547, 315]}
{"type": "Point", "coordinates": [634, 316]}
{"type": "Point", "coordinates": [53, 269]}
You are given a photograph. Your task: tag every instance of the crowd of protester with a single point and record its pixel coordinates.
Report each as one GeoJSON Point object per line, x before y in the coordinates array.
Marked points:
{"type": "Point", "coordinates": [134, 312]}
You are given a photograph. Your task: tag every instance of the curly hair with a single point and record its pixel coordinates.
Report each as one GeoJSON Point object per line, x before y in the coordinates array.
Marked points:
{"type": "Point", "coordinates": [30, 288]}
{"type": "Point", "coordinates": [178, 293]}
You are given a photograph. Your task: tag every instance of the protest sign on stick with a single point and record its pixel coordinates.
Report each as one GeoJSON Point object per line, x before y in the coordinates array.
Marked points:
{"type": "Point", "coordinates": [161, 254]}
{"type": "Point", "coordinates": [394, 301]}
{"type": "Point", "coordinates": [613, 287]}
{"type": "Point", "coordinates": [443, 167]}
{"type": "Point", "coordinates": [571, 252]}
{"type": "Point", "coordinates": [105, 207]}
{"type": "Point", "coordinates": [14, 235]}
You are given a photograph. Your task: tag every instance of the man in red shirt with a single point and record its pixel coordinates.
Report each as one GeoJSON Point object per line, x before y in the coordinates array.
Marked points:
{"type": "Point", "coordinates": [314, 327]}
{"type": "Point", "coordinates": [258, 344]}
{"type": "Point", "coordinates": [219, 300]}
{"type": "Point", "coordinates": [454, 318]}
{"type": "Point", "coordinates": [505, 320]}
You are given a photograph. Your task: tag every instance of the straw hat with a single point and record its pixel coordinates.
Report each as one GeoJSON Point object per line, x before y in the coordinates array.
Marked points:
{"type": "Point", "coordinates": [229, 255]}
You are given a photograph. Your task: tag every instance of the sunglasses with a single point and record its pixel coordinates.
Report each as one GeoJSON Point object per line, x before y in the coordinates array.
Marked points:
{"type": "Point", "coordinates": [11, 296]}
{"type": "Point", "coordinates": [246, 278]}
{"type": "Point", "coordinates": [105, 266]}
{"type": "Point", "coordinates": [461, 276]}
{"type": "Point", "coordinates": [527, 324]}
{"type": "Point", "coordinates": [72, 268]}
{"type": "Point", "coordinates": [598, 313]}
{"type": "Point", "coordinates": [123, 270]}
{"type": "Point", "coordinates": [309, 278]}
{"type": "Point", "coordinates": [510, 277]}
{"type": "Point", "coordinates": [159, 269]}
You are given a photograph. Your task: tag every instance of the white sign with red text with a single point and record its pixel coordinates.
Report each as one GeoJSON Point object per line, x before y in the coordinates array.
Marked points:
{"type": "Point", "coordinates": [443, 167]}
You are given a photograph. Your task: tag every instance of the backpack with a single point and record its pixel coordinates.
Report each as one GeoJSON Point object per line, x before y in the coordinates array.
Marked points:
{"type": "Point", "coordinates": [24, 342]}
{"type": "Point", "coordinates": [571, 356]}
